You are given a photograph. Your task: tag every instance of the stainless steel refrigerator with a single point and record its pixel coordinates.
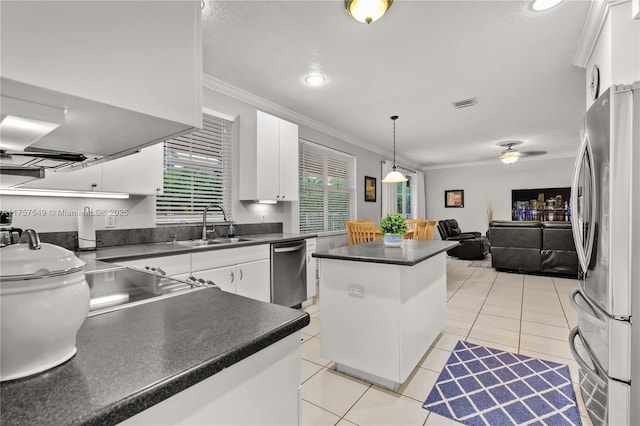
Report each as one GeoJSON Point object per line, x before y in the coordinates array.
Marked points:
{"type": "Point", "coordinates": [605, 201]}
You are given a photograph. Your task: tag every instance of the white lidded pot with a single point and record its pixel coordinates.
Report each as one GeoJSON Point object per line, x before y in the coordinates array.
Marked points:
{"type": "Point", "coordinates": [44, 299]}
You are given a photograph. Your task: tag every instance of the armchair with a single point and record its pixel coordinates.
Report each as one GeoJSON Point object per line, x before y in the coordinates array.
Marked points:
{"type": "Point", "coordinates": [472, 245]}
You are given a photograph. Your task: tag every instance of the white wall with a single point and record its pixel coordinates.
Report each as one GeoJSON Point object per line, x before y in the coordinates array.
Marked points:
{"type": "Point", "coordinates": [490, 183]}
{"type": "Point", "coordinates": [53, 214]}
{"type": "Point", "coordinates": [367, 164]}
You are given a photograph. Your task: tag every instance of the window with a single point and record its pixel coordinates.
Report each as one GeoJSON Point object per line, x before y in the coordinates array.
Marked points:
{"type": "Point", "coordinates": [197, 172]}
{"type": "Point", "coordinates": [327, 188]}
{"type": "Point", "coordinates": [403, 196]}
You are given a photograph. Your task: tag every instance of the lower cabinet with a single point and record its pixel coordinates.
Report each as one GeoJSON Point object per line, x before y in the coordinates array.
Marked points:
{"type": "Point", "coordinates": [243, 270]}
{"type": "Point", "coordinates": [254, 280]}
{"type": "Point", "coordinates": [269, 380]}
{"type": "Point", "coordinates": [249, 279]}
{"type": "Point", "coordinates": [225, 277]}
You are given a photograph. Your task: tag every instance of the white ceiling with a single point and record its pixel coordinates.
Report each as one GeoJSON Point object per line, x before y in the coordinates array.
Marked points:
{"type": "Point", "coordinates": [414, 62]}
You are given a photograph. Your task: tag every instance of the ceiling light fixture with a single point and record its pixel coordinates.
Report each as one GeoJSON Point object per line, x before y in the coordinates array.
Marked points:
{"type": "Point", "coordinates": [539, 5]}
{"type": "Point", "coordinates": [314, 80]}
{"type": "Point", "coordinates": [367, 11]}
{"type": "Point", "coordinates": [509, 155]}
{"type": "Point", "coordinates": [394, 176]}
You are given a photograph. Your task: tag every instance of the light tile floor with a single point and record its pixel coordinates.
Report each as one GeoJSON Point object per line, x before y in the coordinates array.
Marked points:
{"type": "Point", "coordinates": [526, 314]}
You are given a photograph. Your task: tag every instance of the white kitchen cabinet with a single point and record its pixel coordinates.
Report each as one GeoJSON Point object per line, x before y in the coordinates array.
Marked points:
{"type": "Point", "coordinates": [140, 173]}
{"type": "Point", "coordinates": [270, 379]}
{"type": "Point", "coordinates": [254, 280]}
{"type": "Point", "coordinates": [269, 161]}
{"type": "Point", "coordinates": [82, 179]}
{"type": "Point", "coordinates": [250, 279]}
{"type": "Point", "coordinates": [224, 277]}
{"type": "Point", "coordinates": [311, 268]}
{"type": "Point", "coordinates": [241, 270]}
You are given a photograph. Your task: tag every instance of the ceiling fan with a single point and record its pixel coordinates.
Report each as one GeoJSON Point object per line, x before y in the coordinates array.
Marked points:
{"type": "Point", "coordinates": [510, 155]}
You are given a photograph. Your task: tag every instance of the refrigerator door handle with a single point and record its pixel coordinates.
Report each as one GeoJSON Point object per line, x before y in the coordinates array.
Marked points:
{"type": "Point", "coordinates": [583, 250]}
{"type": "Point", "coordinates": [596, 319]}
{"type": "Point", "coordinates": [598, 373]}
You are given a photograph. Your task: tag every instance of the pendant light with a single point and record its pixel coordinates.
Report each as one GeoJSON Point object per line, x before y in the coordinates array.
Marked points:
{"type": "Point", "coordinates": [367, 11]}
{"type": "Point", "coordinates": [394, 176]}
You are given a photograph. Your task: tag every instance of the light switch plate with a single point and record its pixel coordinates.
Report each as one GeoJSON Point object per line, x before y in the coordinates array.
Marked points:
{"type": "Point", "coordinates": [110, 221]}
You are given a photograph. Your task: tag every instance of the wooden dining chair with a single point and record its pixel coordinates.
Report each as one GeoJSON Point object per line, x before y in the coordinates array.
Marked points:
{"type": "Point", "coordinates": [424, 230]}
{"type": "Point", "coordinates": [360, 232]}
{"type": "Point", "coordinates": [411, 228]}
{"type": "Point", "coordinates": [411, 223]}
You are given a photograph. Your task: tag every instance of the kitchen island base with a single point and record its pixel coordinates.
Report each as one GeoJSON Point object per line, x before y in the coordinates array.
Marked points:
{"type": "Point", "coordinates": [379, 319]}
{"type": "Point", "coordinates": [261, 389]}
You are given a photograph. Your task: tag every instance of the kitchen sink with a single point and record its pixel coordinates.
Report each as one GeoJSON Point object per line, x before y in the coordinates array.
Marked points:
{"type": "Point", "coordinates": [204, 243]}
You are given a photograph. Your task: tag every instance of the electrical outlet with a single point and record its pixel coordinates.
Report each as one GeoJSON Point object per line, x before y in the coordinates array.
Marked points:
{"type": "Point", "coordinates": [356, 291]}
{"type": "Point", "coordinates": [264, 217]}
{"type": "Point", "coordinates": [109, 221]}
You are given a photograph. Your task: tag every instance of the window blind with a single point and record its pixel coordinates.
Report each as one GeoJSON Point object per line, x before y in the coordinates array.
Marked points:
{"type": "Point", "coordinates": [327, 188]}
{"type": "Point", "coordinates": [197, 172]}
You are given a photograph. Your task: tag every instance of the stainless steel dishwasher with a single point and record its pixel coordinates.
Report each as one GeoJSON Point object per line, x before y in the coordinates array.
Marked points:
{"type": "Point", "coordinates": [288, 273]}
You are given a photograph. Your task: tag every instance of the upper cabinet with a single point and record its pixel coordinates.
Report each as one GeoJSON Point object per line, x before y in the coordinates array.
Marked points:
{"type": "Point", "coordinates": [140, 173]}
{"type": "Point", "coordinates": [269, 161]}
{"type": "Point", "coordinates": [128, 74]}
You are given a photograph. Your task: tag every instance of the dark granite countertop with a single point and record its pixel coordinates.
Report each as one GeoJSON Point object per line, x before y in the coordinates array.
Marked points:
{"type": "Point", "coordinates": [142, 251]}
{"type": "Point", "coordinates": [131, 359]}
{"type": "Point", "coordinates": [410, 253]}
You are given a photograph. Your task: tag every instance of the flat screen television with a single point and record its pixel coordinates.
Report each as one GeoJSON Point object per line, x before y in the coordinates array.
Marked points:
{"type": "Point", "coordinates": [544, 204]}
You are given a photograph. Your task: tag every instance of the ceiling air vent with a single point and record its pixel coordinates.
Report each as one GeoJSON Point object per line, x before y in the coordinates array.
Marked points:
{"type": "Point", "coordinates": [465, 103]}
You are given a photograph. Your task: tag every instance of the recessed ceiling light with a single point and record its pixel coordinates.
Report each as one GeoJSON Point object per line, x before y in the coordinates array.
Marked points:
{"type": "Point", "coordinates": [539, 5]}
{"type": "Point", "coordinates": [314, 80]}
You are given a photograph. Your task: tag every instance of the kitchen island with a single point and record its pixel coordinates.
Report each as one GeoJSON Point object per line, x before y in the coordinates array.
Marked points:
{"type": "Point", "coordinates": [382, 307]}
{"type": "Point", "coordinates": [197, 358]}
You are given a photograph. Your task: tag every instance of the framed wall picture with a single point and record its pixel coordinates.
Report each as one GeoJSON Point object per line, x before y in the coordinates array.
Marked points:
{"type": "Point", "coordinates": [369, 188]}
{"type": "Point", "coordinates": [454, 198]}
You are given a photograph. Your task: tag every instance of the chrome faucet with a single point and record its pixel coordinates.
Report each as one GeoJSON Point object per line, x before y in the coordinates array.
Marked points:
{"type": "Point", "coordinates": [204, 218]}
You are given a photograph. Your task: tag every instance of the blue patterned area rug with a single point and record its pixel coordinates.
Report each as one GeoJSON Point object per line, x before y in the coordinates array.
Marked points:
{"type": "Point", "coordinates": [485, 386]}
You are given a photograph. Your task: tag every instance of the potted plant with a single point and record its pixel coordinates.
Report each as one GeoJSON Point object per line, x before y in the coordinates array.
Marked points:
{"type": "Point", "coordinates": [393, 225]}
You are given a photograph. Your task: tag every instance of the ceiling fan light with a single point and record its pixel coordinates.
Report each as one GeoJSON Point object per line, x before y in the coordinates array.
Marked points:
{"type": "Point", "coordinates": [367, 11]}
{"type": "Point", "coordinates": [509, 157]}
{"type": "Point", "coordinates": [394, 176]}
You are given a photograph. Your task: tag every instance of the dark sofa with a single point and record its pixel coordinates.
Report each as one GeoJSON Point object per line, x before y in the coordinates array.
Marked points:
{"type": "Point", "coordinates": [541, 247]}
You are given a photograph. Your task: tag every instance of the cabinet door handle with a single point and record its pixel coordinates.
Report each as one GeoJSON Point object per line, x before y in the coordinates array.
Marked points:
{"type": "Point", "coordinates": [241, 274]}
{"type": "Point", "coordinates": [232, 276]}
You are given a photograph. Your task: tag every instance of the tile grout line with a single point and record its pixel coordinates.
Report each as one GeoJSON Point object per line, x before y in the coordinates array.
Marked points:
{"type": "Point", "coordinates": [521, 315]}
{"type": "Point", "coordinates": [483, 303]}
{"type": "Point", "coordinates": [564, 313]}
{"type": "Point", "coordinates": [354, 404]}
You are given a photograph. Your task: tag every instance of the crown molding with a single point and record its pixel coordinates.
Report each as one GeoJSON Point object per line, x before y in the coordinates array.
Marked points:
{"type": "Point", "coordinates": [496, 161]}
{"type": "Point", "coordinates": [597, 16]}
{"type": "Point", "coordinates": [242, 95]}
